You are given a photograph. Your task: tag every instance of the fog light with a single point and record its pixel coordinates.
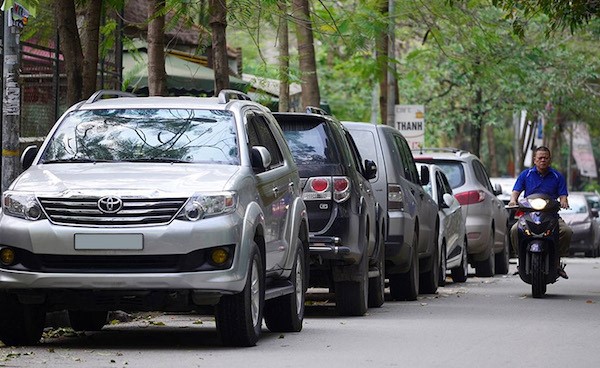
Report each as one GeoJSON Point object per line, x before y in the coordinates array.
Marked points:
{"type": "Point", "coordinates": [219, 256]}
{"type": "Point", "coordinates": [7, 256]}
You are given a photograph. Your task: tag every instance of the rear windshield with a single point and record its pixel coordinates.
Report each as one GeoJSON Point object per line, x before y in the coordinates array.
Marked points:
{"type": "Point", "coordinates": [145, 135]}
{"type": "Point", "coordinates": [309, 143]}
{"type": "Point", "coordinates": [454, 172]}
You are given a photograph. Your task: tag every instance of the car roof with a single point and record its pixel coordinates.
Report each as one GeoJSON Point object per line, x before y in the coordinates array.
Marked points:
{"type": "Point", "coordinates": [430, 154]}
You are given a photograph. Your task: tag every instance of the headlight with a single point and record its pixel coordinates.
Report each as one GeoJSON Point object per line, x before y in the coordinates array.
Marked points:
{"type": "Point", "coordinates": [538, 204]}
{"type": "Point", "coordinates": [203, 205]}
{"type": "Point", "coordinates": [20, 205]}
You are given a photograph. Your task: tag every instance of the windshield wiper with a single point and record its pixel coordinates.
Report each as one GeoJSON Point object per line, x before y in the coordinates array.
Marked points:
{"type": "Point", "coordinates": [157, 159]}
{"type": "Point", "coordinates": [73, 159]}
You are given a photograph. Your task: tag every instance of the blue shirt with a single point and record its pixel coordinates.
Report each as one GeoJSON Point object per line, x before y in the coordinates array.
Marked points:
{"type": "Point", "coordinates": [532, 182]}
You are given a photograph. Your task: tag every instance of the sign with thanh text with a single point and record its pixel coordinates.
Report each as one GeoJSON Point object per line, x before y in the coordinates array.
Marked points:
{"type": "Point", "coordinates": [410, 121]}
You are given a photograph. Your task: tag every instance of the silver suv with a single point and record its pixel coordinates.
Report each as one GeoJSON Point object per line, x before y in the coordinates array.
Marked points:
{"type": "Point", "coordinates": [485, 216]}
{"type": "Point", "coordinates": [156, 203]}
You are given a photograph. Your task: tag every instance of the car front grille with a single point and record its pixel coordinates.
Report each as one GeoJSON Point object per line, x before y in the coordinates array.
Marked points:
{"type": "Point", "coordinates": [134, 212]}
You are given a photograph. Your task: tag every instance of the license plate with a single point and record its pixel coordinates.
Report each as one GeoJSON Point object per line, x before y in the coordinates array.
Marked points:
{"type": "Point", "coordinates": [109, 241]}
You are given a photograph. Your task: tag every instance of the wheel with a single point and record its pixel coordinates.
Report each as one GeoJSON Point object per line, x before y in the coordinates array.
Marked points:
{"type": "Point", "coordinates": [239, 316]}
{"type": "Point", "coordinates": [443, 268]}
{"type": "Point", "coordinates": [502, 261]}
{"type": "Point", "coordinates": [538, 279]}
{"type": "Point", "coordinates": [286, 313]}
{"type": "Point", "coordinates": [377, 283]}
{"type": "Point", "coordinates": [460, 273]}
{"type": "Point", "coordinates": [486, 268]}
{"type": "Point", "coordinates": [20, 324]}
{"type": "Point", "coordinates": [405, 286]}
{"type": "Point", "coordinates": [351, 297]}
{"type": "Point", "coordinates": [429, 280]}
{"type": "Point", "coordinates": [87, 320]}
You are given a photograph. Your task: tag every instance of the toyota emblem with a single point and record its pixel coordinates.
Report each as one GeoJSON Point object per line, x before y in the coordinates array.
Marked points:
{"type": "Point", "coordinates": [110, 204]}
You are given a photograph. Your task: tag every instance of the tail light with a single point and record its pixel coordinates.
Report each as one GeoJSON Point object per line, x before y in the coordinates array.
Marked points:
{"type": "Point", "coordinates": [519, 213]}
{"type": "Point", "coordinates": [327, 188]}
{"type": "Point", "coordinates": [395, 197]}
{"type": "Point", "coordinates": [470, 197]}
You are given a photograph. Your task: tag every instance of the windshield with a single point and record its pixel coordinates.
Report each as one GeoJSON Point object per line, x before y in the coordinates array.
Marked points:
{"type": "Point", "coordinates": [145, 135]}
{"type": "Point", "coordinates": [577, 204]}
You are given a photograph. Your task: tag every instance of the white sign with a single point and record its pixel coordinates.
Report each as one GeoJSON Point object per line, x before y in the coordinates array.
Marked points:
{"type": "Point", "coordinates": [410, 121]}
{"type": "Point", "coordinates": [582, 151]}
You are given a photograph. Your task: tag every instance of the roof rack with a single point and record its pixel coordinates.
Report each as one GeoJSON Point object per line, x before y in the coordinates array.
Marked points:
{"type": "Point", "coordinates": [315, 110]}
{"type": "Point", "coordinates": [98, 95]}
{"type": "Point", "coordinates": [458, 151]}
{"type": "Point", "coordinates": [226, 95]}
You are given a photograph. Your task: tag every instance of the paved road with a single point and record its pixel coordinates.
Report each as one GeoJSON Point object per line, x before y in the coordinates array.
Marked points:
{"type": "Point", "coordinates": [482, 323]}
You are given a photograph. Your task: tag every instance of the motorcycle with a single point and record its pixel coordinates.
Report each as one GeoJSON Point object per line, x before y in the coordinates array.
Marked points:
{"type": "Point", "coordinates": [538, 241]}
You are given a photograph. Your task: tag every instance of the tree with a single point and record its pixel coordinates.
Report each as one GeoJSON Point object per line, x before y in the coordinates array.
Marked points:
{"type": "Point", "coordinates": [218, 24]}
{"type": "Point", "coordinates": [306, 53]}
{"type": "Point", "coordinates": [284, 57]}
{"type": "Point", "coordinates": [157, 76]}
{"type": "Point", "coordinates": [71, 48]}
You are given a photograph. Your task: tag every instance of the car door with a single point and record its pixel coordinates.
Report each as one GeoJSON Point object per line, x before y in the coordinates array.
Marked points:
{"type": "Point", "coordinates": [426, 206]}
{"type": "Point", "coordinates": [498, 212]}
{"type": "Point", "coordinates": [452, 214]}
{"type": "Point", "coordinates": [274, 189]}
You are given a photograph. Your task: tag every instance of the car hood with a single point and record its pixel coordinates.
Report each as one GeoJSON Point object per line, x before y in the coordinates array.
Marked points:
{"type": "Point", "coordinates": [184, 179]}
{"type": "Point", "coordinates": [574, 218]}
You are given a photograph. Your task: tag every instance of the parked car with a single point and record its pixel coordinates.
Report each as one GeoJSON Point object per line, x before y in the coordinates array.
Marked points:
{"type": "Point", "coordinates": [411, 223]}
{"type": "Point", "coordinates": [452, 235]}
{"type": "Point", "coordinates": [156, 203]}
{"type": "Point", "coordinates": [346, 240]}
{"type": "Point", "coordinates": [583, 220]}
{"type": "Point", "coordinates": [485, 215]}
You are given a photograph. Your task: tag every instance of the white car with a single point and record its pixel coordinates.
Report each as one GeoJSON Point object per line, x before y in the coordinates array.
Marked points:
{"type": "Point", "coordinates": [452, 235]}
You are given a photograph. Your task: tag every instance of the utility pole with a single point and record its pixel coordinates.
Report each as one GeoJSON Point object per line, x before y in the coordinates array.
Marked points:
{"type": "Point", "coordinates": [11, 101]}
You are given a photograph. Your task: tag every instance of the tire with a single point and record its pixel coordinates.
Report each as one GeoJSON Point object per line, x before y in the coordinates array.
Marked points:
{"type": "Point", "coordinates": [239, 316]}
{"type": "Point", "coordinates": [502, 261]}
{"type": "Point", "coordinates": [377, 284]}
{"type": "Point", "coordinates": [443, 267]}
{"type": "Point", "coordinates": [461, 273]}
{"type": "Point", "coordinates": [286, 313]}
{"type": "Point", "coordinates": [486, 268]}
{"type": "Point", "coordinates": [405, 286]}
{"type": "Point", "coordinates": [20, 324]}
{"type": "Point", "coordinates": [538, 279]}
{"type": "Point", "coordinates": [429, 281]}
{"type": "Point", "coordinates": [351, 297]}
{"type": "Point", "coordinates": [87, 320]}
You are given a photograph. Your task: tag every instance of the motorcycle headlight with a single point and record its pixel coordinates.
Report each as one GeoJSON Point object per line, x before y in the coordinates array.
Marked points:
{"type": "Point", "coordinates": [538, 204]}
{"type": "Point", "coordinates": [22, 205]}
{"type": "Point", "coordinates": [203, 205]}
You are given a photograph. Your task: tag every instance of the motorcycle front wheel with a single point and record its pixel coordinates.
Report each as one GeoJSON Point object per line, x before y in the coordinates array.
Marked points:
{"type": "Point", "coordinates": [538, 278]}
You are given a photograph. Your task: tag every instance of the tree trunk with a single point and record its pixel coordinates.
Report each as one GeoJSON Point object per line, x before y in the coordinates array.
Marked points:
{"type": "Point", "coordinates": [477, 124]}
{"type": "Point", "coordinates": [157, 76]}
{"type": "Point", "coordinates": [91, 37]}
{"type": "Point", "coordinates": [491, 141]}
{"type": "Point", "coordinates": [306, 54]}
{"type": "Point", "coordinates": [218, 25]}
{"type": "Point", "coordinates": [284, 57]}
{"type": "Point", "coordinates": [381, 57]}
{"type": "Point", "coordinates": [70, 44]}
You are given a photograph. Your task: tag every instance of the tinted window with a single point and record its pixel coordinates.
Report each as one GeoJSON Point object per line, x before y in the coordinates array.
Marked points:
{"type": "Point", "coordinates": [204, 136]}
{"type": "Point", "coordinates": [410, 170]}
{"type": "Point", "coordinates": [260, 134]}
{"type": "Point", "coordinates": [454, 171]}
{"type": "Point", "coordinates": [365, 141]}
{"type": "Point", "coordinates": [308, 143]}
{"type": "Point", "coordinates": [356, 158]}
{"type": "Point", "coordinates": [482, 175]}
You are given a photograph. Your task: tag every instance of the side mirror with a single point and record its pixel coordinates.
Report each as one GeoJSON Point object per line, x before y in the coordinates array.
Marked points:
{"type": "Point", "coordinates": [497, 189]}
{"type": "Point", "coordinates": [28, 156]}
{"type": "Point", "coordinates": [370, 169]}
{"type": "Point", "coordinates": [448, 200]}
{"type": "Point", "coordinates": [424, 175]}
{"type": "Point", "coordinates": [595, 212]}
{"type": "Point", "coordinates": [260, 158]}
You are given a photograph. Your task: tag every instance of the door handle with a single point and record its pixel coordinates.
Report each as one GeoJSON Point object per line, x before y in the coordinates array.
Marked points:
{"type": "Point", "coordinates": [275, 191]}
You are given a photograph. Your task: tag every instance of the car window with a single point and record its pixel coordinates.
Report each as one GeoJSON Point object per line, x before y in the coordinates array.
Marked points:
{"type": "Point", "coordinates": [260, 134]}
{"type": "Point", "coordinates": [440, 187]}
{"type": "Point", "coordinates": [365, 141]}
{"type": "Point", "coordinates": [481, 175]}
{"type": "Point", "coordinates": [183, 135]}
{"type": "Point", "coordinates": [410, 169]}
{"type": "Point", "coordinates": [309, 143]}
{"type": "Point", "coordinates": [593, 201]}
{"type": "Point", "coordinates": [355, 155]}
{"type": "Point", "coordinates": [454, 171]}
{"type": "Point", "coordinates": [577, 204]}
{"type": "Point", "coordinates": [445, 185]}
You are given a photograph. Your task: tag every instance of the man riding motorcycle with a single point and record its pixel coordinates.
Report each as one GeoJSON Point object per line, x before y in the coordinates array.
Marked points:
{"type": "Point", "coordinates": [542, 178]}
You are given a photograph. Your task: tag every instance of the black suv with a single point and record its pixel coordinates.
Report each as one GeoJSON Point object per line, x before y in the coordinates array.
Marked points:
{"type": "Point", "coordinates": [346, 247]}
